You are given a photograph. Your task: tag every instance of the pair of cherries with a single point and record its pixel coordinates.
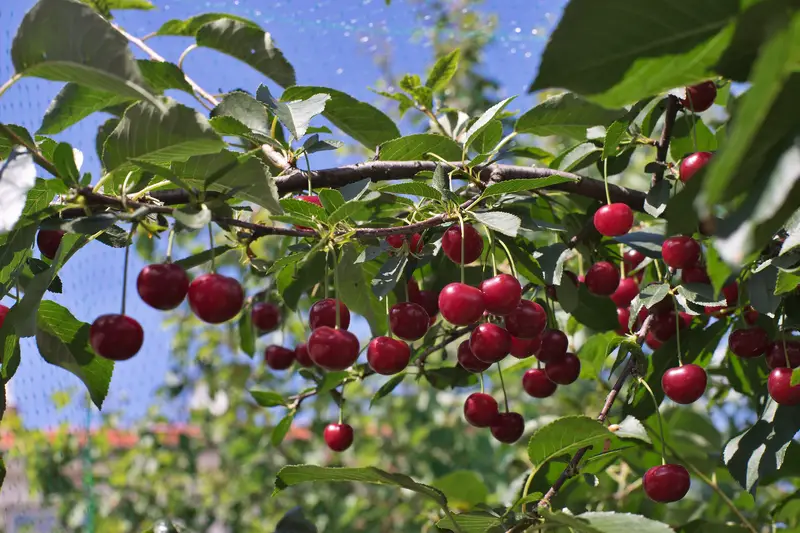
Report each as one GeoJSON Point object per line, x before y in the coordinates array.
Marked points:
{"type": "Point", "coordinates": [782, 356]}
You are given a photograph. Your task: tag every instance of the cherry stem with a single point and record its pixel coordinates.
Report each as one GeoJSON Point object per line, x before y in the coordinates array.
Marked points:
{"type": "Point", "coordinates": [658, 270]}
{"type": "Point", "coordinates": [336, 287]}
{"type": "Point", "coordinates": [622, 261]}
{"type": "Point", "coordinates": [125, 267]}
{"type": "Point", "coordinates": [508, 256]}
{"type": "Point", "coordinates": [677, 330]}
{"type": "Point", "coordinates": [327, 273]}
{"type": "Point", "coordinates": [461, 263]}
{"type": "Point", "coordinates": [388, 323]}
{"type": "Point", "coordinates": [605, 180]}
{"type": "Point", "coordinates": [694, 120]}
{"type": "Point", "coordinates": [211, 243]}
{"type": "Point", "coordinates": [405, 293]}
{"type": "Point", "coordinates": [491, 251]}
{"type": "Point", "coordinates": [170, 241]}
{"type": "Point", "coordinates": [502, 385]}
{"type": "Point", "coordinates": [341, 396]}
{"type": "Point", "coordinates": [308, 163]}
{"type": "Point", "coordinates": [480, 378]}
{"type": "Point", "coordinates": [660, 422]}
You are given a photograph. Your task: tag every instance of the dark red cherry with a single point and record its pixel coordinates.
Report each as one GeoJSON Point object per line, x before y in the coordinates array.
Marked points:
{"type": "Point", "coordinates": [523, 348]}
{"type": "Point", "coordinates": [461, 304]}
{"type": "Point", "coordinates": [602, 278]}
{"type": "Point", "coordinates": [215, 298]}
{"type": "Point", "coordinates": [695, 274]}
{"type": "Point", "coordinates": [692, 163]}
{"type": "Point", "coordinates": [409, 321]}
{"type": "Point", "coordinates": [468, 361]}
{"type": "Point", "coordinates": [623, 317]}
{"type": "Point", "coordinates": [501, 294]}
{"type": "Point", "coordinates": [626, 291]}
{"type": "Point", "coordinates": [338, 437]}
{"type": "Point", "coordinates": [451, 244]}
{"type": "Point", "coordinates": [700, 97]}
{"type": "Point", "coordinates": [48, 241]}
{"type": "Point", "coordinates": [302, 356]}
{"type": "Point", "coordinates": [388, 356]}
{"type": "Point", "coordinates": [508, 427]}
{"type": "Point", "coordinates": [162, 286]}
{"type": "Point", "coordinates": [333, 349]}
{"type": "Point", "coordinates": [278, 357]}
{"type": "Point", "coordinates": [429, 301]}
{"type": "Point", "coordinates": [613, 220]}
{"type": "Point", "coordinates": [3, 312]}
{"type": "Point", "coordinates": [632, 258]}
{"type": "Point", "coordinates": [415, 242]}
{"type": "Point", "coordinates": [779, 385]}
{"type": "Point", "coordinates": [116, 337]}
{"type": "Point", "coordinates": [527, 320]}
{"type": "Point", "coordinates": [652, 342]}
{"type": "Point", "coordinates": [413, 290]}
{"type": "Point", "coordinates": [323, 313]}
{"type": "Point", "coordinates": [779, 351]}
{"type": "Point", "coordinates": [666, 483]}
{"type": "Point", "coordinates": [537, 384]}
{"type": "Point", "coordinates": [266, 316]}
{"type": "Point", "coordinates": [564, 370]}
{"type": "Point", "coordinates": [554, 345]}
{"type": "Point", "coordinates": [480, 410]}
{"type": "Point", "coordinates": [490, 343]}
{"type": "Point", "coordinates": [680, 251]}
{"type": "Point", "coordinates": [750, 315]}
{"type": "Point", "coordinates": [664, 325]}
{"type": "Point", "coordinates": [750, 342]}
{"type": "Point", "coordinates": [684, 384]}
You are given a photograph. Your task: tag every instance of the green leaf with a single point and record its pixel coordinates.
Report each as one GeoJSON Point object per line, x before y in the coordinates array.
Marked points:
{"type": "Point", "coordinates": [566, 115]}
{"type": "Point", "coordinates": [313, 144]}
{"type": "Point", "coordinates": [294, 114]}
{"type": "Point", "coordinates": [552, 262]}
{"type": "Point", "coordinates": [247, 338]}
{"type": "Point", "coordinates": [415, 188]}
{"type": "Point", "coordinates": [295, 522]}
{"type": "Point", "coordinates": [108, 5]}
{"type": "Point", "coordinates": [690, 134]}
{"type": "Point", "coordinates": [87, 225]}
{"type": "Point", "coordinates": [63, 40]}
{"type": "Point", "coordinates": [74, 103]}
{"type": "Point", "coordinates": [593, 354]}
{"type": "Point", "coordinates": [280, 431]}
{"type": "Point", "coordinates": [248, 43]}
{"type": "Point", "coordinates": [655, 203]}
{"type": "Point", "coordinates": [596, 312]}
{"type": "Point", "coordinates": [163, 75]}
{"type": "Point", "coordinates": [483, 121]}
{"type": "Point", "coordinates": [443, 71]}
{"type": "Point", "coordinates": [608, 522]}
{"type": "Point", "coordinates": [203, 257]}
{"type": "Point", "coordinates": [414, 147]}
{"type": "Point", "coordinates": [295, 474]}
{"type": "Point", "coordinates": [486, 141]}
{"type": "Point", "coordinates": [387, 388]}
{"type": "Point", "coordinates": [786, 282]}
{"type": "Point", "coordinates": [762, 289]}
{"type": "Point", "coordinates": [389, 275]}
{"type": "Point", "coordinates": [354, 289]}
{"type": "Point", "coordinates": [346, 211]}
{"type": "Point", "coordinates": [245, 109]}
{"type": "Point", "coordinates": [563, 436]}
{"type": "Point", "coordinates": [470, 522]}
{"type": "Point", "coordinates": [331, 199]}
{"type": "Point", "coordinates": [531, 152]}
{"type": "Point", "coordinates": [614, 133]}
{"type": "Point", "coordinates": [305, 209]}
{"type": "Point", "coordinates": [6, 143]}
{"type": "Point", "coordinates": [147, 134]}
{"type": "Point", "coordinates": [525, 184]}
{"type": "Point", "coordinates": [15, 249]}
{"type": "Point", "coordinates": [462, 487]}
{"type": "Point", "coordinates": [361, 121]}
{"type": "Point", "coordinates": [63, 340]}
{"type": "Point", "coordinates": [190, 26]}
{"type": "Point", "coordinates": [505, 223]}
{"type": "Point", "coordinates": [268, 398]}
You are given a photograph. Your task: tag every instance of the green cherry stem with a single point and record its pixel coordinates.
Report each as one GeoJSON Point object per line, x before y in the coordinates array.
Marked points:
{"type": "Point", "coordinates": [461, 263]}
{"type": "Point", "coordinates": [341, 396]}
{"type": "Point", "coordinates": [388, 323]}
{"type": "Point", "coordinates": [480, 378]}
{"type": "Point", "coordinates": [660, 421]}
{"type": "Point", "coordinates": [336, 288]}
{"type": "Point", "coordinates": [508, 256]}
{"type": "Point", "coordinates": [605, 179]}
{"type": "Point", "coordinates": [502, 385]}
{"type": "Point", "coordinates": [125, 267]}
{"type": "Point", "coordinates": [678, 331]}
{"type": "Point", "coordinates": [211, 244]}
{"type": "Point", "coordinates": [170, 242]}
{"type": "Point", "coordinates": [491, 250]}
{"type": "Point", "coordinates": [622, 261]}
{"type": "Point", "coordinates": [327, 274]}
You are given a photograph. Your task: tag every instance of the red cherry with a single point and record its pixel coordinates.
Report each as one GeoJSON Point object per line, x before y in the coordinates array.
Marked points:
{"type": "Point", "coordinates": [501, 294]}
{"type": "Point", "coordinates": [302, 356]}
{"type": "Point", "coordinates": [468, 361]}
{"type": "Point", "coordinates": [731, 293]}
{"type": "Point", "coordinates": [554, 345]}
{"type": "Point", "coordinates": [409, 321]}
{"type": "Point", "coordinates": [613, 220]}
{"type": "Point", "coordinates": [415, 242]}
{"type": "Point", "coordinates": [429, 301]}
{"type": "Point", "coordinates": [508, 427]}
{"type": "Point", "coordinates": [48, 241]}
{"type": "Point", "coordinates": [686, 319]}
{"type": "Point", "coordinates": [527, 320]}
{"type": "Point", "coordinates": [632, 259]}
{"type": "Point", "coordinates": [490, 343]}
{"type": "Point", "coordinates": [3, 312]}
{"type": "Point", "coordinates": [700, 97]}
{"type": "Point", "coordinates": [323, 313]}
{"type": "Point", "coordinates": [461, 304]}
{"type": "Point", "coordinates": [563, 371]}
{"type": "Point", "coordinates": [602, 278]}
{"type": "Point", "coordinates": [310, 199]}
{"type": "Point", "coordinates": [623, 317]}
{"type": "Point", "coordinates": [750, 315]}
{"type": "Point", "coordinates": [162, 286]}
{"type": "Point", "coordinates": [695, 274]}
{"type": "Point", "coordinates": [388, 356]}
{"type": "Point", "coordinates": [680, 251]}
{"type": "Point", "coordinates": [338, 437]}
{"type": "Point", "coordinates": [652, 342]}
{"type": "Point", "coordinates": [537, 384]}
{"type": "Point", "coordinates": [215, 298]}
{"type": "Point", "coordinates": [523, 348]}
{"type": "Point", "coordinates": [779, 385]}
{"type": "Point", "coordinates": [333, 349]}
{"type": "Point", "coordinates": [747, 343]}
{"type": "Point", "coordinates": [627, 290]}
{"type": "Point", "coordinates": [480, 410]}
{"type": "Point", "coordinates": [266, 316]}
{"type": "Point", "coordinates": [664, 326]}
{"type": "Point", "coordinates": [278, 357]}
{"type": "Point", "coordinates": [692, 164]}
{"type": "Point", "coordinates": [116, 337]}
{"type": "Point", "coordinates": [666, 483]}
{"type": "Point", "coordinates": [413, 290]}
{"type": "Point", "coordinates": [684, 384]}
{"type": "Point", "coordinates": [451, 244]}
{"type": "Point", "coordinates": [776, 355]}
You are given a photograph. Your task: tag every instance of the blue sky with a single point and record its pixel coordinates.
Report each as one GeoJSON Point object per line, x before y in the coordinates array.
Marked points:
{"type": "Point", "coordinates": [331, 43]}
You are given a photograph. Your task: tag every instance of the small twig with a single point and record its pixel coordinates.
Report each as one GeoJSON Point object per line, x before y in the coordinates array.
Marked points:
{"type": "Point", "coordinates": [37, 155]}
{"type": "Point", "coordinates": [673, 105]}
{"type": "Point", "coordinates": [453, 335]}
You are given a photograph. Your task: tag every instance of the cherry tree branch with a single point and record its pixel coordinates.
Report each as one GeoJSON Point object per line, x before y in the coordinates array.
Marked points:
{"type": "Point", "coordinates": [662, 148]}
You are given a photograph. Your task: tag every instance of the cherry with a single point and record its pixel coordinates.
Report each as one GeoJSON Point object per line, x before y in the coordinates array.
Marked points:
{"type": "Point", "coordinates": [451, 243]}
{"type": "Point", "coordinates": [162, 286]}
{"type": "Point", "coordinates": [523, 348]}
{"type": "Point", "coordinates": [602, 278]}
{"type": "Point", "coordinates": [554, 345]}
{"type": "Point", "coordinates": [748, 343]}
{"type": "Point", "coordinates": [468, 361]}
{"type": "Point", "coordinates": [480, 410]}
{"type": "Point", "coordinates": [413, 290]}
{"type": "Point", "coordinates": [278, 357]}
{"type": "Point", "coordinates": [310, 199]}
{"type": "Point", "coordinates": [537, 384]}
{"type": "Point", "coordinates": [215, 298]}
{"type": "Point", "coordinates": [776, 355]}
{"type": "Point", "coordinates": [409, 321]}
{"type": "Point", "coordinates": [695, 274]}
{"type": "Point", "coordinates": [501, 294]}
{"type": "Point", "coordinates": [508, 427]}
{"type": "Point", "coordinates": [415, 242]}
{"type": "Point", "coordinates": [684, 384]}
{"type": "Point", "coordinates": [632, 259]}
{"type": "Point", "coordinates": [663, 326]}
{"type": "Point", "coordinates": [680, 251]}
{"type": "Point", "coordinates": [750, 315]}
{"type": "Point", "coordinates": [116, 337]}
{"type": "Point", "coordinates": [613, 220]}
{"type": "Point", "coordinates": [3, 312]}
{"type": "Point", "coordinates": [323, 313]}
{"type": "Point", "coordinates": [627, 290]}
{"type": "Point", "coordinates": [429, 301]}
{"type": "Point", "coordinates": [779, 385]}
{"type": "Point", "coordinates": [490, 343]}
{"type": "Point", "coordinates": [333, 349]}
{"type": "Point", "coordinates": [266, 316]}
{"type": "Point", "coordinates": [623, 317]}
{"type": "Point", "coordinates": [666, 483]}
{"type": "Point", "coordinates": [692, 164]}
{"type": "Point", "coordinates": [563, 371]}
{"type": "Point", "coordinates": [338, 437]}
{"type": "Point", "coordinates": [700, 97]}
{"type": "Point", "coordinates": [652, 342]}
{"type": "Point", "coordinates": [388, 356]}
{"type": "Point", "coordinates": [48, 241]}
{"type": "Point", "coordinates": [302, 356]}
{"type": "Point", "coordinates": [461, 304]}
{"type": "Point", "coordinates": [731, 294]}
{"type": "Point", "coordinates": [527, 320]}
